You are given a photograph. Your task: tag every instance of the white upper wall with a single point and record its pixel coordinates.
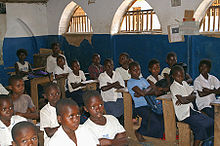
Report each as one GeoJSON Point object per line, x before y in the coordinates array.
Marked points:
{"type": "Point", "coordinates": [43, 19]}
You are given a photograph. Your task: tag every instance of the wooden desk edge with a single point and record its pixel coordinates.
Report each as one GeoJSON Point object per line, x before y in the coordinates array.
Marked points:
{"type": "Point", "coordinates": [165, 97]}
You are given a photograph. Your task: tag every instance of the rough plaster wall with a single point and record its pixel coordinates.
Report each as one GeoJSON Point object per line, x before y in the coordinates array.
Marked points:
{"type": "Point", "coordinates": [24, 20]}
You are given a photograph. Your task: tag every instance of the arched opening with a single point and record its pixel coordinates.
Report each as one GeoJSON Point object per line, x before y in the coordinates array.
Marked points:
{"type": "Point", "coordinates": [134, 17]}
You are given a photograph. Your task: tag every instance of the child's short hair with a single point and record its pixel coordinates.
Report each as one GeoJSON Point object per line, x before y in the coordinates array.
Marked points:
{"type": "Point", "coordinates": [135, 63]}
{"type": "Point", "coordinates": [95, 54]}
{"type": "Point", "coordinates": [54, 44]}
{"type": "Point", "coordinates": [152, 62]}
{"type": "Point", "coordinates": [60, 57]}
{"type": "Point", "coordinates": [74, 61]}
{"type": "Point", "coordinates": [107, 60]}
{"type": "Point", "coordinates": [171, 54]}
{"type": "Point", "coordinates": [50, 85]}
{"type": "Point", "coordinates": [88, 94]}
{"type": "Point", "coordinates": [19, 51]}
{"type": "Point", "coordinates": [125, 54]}
{"type": "Point", "coordinates": [206, 62]}
{"type": "Point", "coordinates": [5, 97]}
{"type": "Point", "coordinates": [62, 103]}
{"type": "Point", "coordinates": [20, 126]}
{"type": "Point", "coordinates": [176, 68]}
{"type": "Point", "coordinates": [14, 78]}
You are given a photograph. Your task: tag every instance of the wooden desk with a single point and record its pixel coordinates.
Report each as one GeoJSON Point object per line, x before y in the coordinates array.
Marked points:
{"type": "Point", "coordinates": [34, 88]}
{"type": "Point", "coordinates": [216, 122]}
{"type": "Point", "coordinates": [169, 117]}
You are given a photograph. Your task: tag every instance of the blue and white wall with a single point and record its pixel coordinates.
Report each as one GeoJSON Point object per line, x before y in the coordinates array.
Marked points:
{"type": "Point", "coordinates": [35, 26]}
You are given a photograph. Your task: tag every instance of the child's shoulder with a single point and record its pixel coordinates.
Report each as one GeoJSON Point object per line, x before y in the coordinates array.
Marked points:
{"type": "Point", "coordinates": [16, 119]}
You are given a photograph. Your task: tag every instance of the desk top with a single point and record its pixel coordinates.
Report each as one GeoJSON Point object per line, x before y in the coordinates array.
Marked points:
{"type": "Point", "coordinates": [216, 102]}
{"type": "Point", "coordinates": [165, 97]}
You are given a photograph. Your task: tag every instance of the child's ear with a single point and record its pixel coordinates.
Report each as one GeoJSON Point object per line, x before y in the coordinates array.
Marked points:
{"type": "Point", "coordinates": [45, 97]}
{"type": "Point", "coordinates": [129, 71]}
{"type": "Point", "coordinates": [10, 87]}
{"type": "Point", "coordinates": [85, 109]}
{"type": "Point", "coordinates": [13, 143]}
{"type": "Point", "coordinates": [59, 118]}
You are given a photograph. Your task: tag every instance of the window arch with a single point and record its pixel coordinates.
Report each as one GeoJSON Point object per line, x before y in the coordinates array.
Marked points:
{"type": "Point", "coordinates": [140, 17]}
{"type": "Point", "coordinates": [79, 22]}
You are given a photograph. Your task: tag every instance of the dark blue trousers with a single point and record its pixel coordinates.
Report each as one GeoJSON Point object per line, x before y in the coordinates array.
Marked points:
{"type": "Point", "coordinates": [152, 124]}
{"type": "Point", "coordinates": [201, 125]}
{"type": "Point", "coordinates": [76, 96]}
{"type": "Point", "coordinates": [209, 111]}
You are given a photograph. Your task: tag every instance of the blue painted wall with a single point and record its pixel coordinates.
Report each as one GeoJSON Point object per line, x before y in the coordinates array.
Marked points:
{"type": "Point", "coordinates": [141, 48]}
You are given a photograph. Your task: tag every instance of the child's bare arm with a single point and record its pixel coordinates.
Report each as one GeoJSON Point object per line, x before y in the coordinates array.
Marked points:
{"type": "Point", "coordinates": [185, 99]}
{"type": "Point", "coordinates": [111, 85]}
{"type": "Point", "coordinates": [76, 85]}
{"type": "Point", "coordinates": [206, 91]}
{"type": "Point", "coordinates": [120, 139]}
{"type": "Point", "coordinates": [50, 131]}
{"type": "Point", "coordinates": [65, 75]}
{"type": "Point", "coordinates": [30, 114]}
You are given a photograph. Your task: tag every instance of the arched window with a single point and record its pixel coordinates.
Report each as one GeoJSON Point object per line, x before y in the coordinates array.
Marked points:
{"type": "Point", "coordinates": [140, 17]}
{"type": "Point", "coordinates": [79, 22]}
{"type": "Point", "coordinates": [211, 21]}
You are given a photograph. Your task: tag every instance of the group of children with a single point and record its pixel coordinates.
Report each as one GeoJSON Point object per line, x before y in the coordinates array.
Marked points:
{"type": "Point", "coordinates": [60, 118]}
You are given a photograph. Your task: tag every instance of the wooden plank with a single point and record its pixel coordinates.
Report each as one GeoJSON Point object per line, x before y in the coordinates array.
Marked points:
{"type": "Point", "coordinates": [184, 134]}
{"type": "Point", "coordinates": [151, 20]}
{"type": "Point", "coordinates": [214, 19]}
{"type": "Point", "coordinates": [218, 18]}
{"type": "Point", "coordinates": [208, 14]}
{"type": "Point", "coordinates": [24, 1]}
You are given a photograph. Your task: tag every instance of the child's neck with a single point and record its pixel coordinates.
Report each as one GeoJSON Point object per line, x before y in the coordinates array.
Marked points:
{"type": "Point", "coordinates": [125, 67]}
{"type": "Point", "coordinates": [205, 75]}
{"type": "Point", "coordinates": [62, 67]}
{"type": "Point", "coordinates": [110, 74]}
{"type": "Point", "coordinates": [15, 96]}
{"type": "Point", "coordinates": [21, 61]}
{"type": "Point", "coordinates": [155, 76]}
{"type": "Point", "coordinates": [136, 78]}
{"type": "Point", "coordinates": [71, 134]}
{"type": "Point", "coordinates": [99, 121]}
{"type": "Point", "coordinates": [76, 73]}
{"type": "Point", "coordinates": [5, 121]}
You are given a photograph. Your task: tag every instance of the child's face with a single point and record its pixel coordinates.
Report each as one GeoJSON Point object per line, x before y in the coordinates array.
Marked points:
{"type": "Point", "coordinates": [123, 59]}
{"type": "Point", "coordinates": [75, 66]}
{"type": "Point", "coordinates": [26, 137]}
{"type": "Point", "coordinates": [171, 61]}
{"type": "Point", "coordinates": [204, 69]}
{"type": "Point", "coordinates": [17, 87]}
{"type": "Point", "coordinates": [70, 117]}
{"type": "Point", "coordinates": [135, 71]}
{"type": "Point", "coordinates": [60, 62]}
{"type": "Point", "coordinates": [6, 109]}
{"type": "Point", "coordinates": [109, 66]}
{"type": "Point", "coordinates": [179, 76]}
{"type": "Point", "coordinates": [96, 59]}
{"type": "Point", "coordinates": [155, 69]}
{"type": "Point", "coordinates": [22, 56]}
{"type": "Point", "coordinates": [56, 49]}
{"type": "Point", "coordinates": [53, 95]}
{"type": "Point", "coordinates": [95, 107]}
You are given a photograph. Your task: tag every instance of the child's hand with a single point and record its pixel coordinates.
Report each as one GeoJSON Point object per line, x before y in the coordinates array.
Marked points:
{"type": "Point", "coordinates": [178, 102]}
{"type": "Point", "coordinates": [178, 96]}
{"type": "Point", "coordinates": [117, 85]}
{"type": "Point", "coordinates": [104, 141]}
{"type": "Point", "coordinates": [19, 114]}
{"type": "Point", "coordinates": [206, 90]}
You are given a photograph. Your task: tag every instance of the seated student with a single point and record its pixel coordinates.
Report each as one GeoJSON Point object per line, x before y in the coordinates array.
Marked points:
{"type": "Point", "coordinates": [70, 133]}
{"type": "Point", "coordinates": [170, 60]}
{"type": "Point", "coordinates": [152, 123]}
{"type": "Point", "coordinates": [187, 78]}
{"type": "Point", "coordinates": [7, 120]}
{"type": "Point", "coordinates": [3, 90]}
{"type": "Point", "coordinates": [22, 68]}
{"type": "Point", "coordinates": [95, 69]}
{"type": "Point", "coordinates": [52, 59]}
{"type": "Point", "coordinates": [182, 96]}
{"type": "Point", "coordinates": [105, 128]}
{"type": "Point", "coordinates": [61, 70]}
{"type": "Point", "coordinates": [48, 116]}
{"type": "Point", "coordinates": [75, 85]}
{"type": "Point", "coordinates": [207, 87]}
{"type": "Point", "coordinates": [24, 134]}
{"type": "Point", "coordinates": [109, 82]}
{"type": "Point", "coordinates": [23, 105]}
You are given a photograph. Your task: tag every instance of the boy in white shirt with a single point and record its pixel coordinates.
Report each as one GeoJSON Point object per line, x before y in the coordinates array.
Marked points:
{"type": "Point", "coordinates": [75, 84]}
{"type": "Point", "coordinates": [48, 116]}
{"type": "Point", "coordinates": [170, 60]}
{"type": "Point", "coordinates": [124, 63]}
{"type": "Point", "coordinates": [182, 97]}
{"type": "Point", "coordinates": [207, 86]}
{"type": "Point", "coordinates": [105, 128]}
{"type": "Point", "coordinates": [70, 133]}
{"type": "Point", "coordinates": [109, 82]}
{"type": "Point", "coordinates": [7, 120]}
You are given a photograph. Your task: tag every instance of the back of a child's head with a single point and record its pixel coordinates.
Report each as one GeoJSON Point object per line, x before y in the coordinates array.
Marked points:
{"type": "Point", "coordinates": [152, 62]}
{"type": "Point", "coordinates": [19, 51]}
{"type": "Point", "coordinates": [62, 103]}
{"type": "Point", "coordinates": [49, 86]}
{"type": "Point", "coordinates": [132, 64]}
{"type": "Point", "coordinates": [171, 54]}
{"type": "Point", "coordinates": [207, 62]}
{"type": "Point", "coordinates": [89, 94]}
{"type": "Point", "coordinates": [20, 128]}
{"type": "Point", "coordinates": [13, 79]}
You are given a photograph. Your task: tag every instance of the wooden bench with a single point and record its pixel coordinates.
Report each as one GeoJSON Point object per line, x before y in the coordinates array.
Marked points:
{"type": "Point", "coordinates": [184, 134]}
{"type": "Point", "coordinates": [216, 105]}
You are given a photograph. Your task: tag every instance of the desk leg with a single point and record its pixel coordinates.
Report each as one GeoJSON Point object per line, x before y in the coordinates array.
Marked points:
{"type": "Point", "coordinates": [217, 126]}
{"type": "Point", "coordinates": [169, 121]}
{"type": "Point", "coordinates": [34, 93]}
{"type": "Point", "coordinates": [128, 115]}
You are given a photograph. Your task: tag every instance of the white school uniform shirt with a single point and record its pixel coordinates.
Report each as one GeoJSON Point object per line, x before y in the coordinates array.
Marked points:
{"type": "Point", "coordinates": [124, 73]}
{"type": "Point", "coordinates": [23, 67]}
{"type": "Point", "coordinates": [110, 95]}
{"type": "Point", "coordinates": [182, 111]}
{"type": "Point", "coordinates": [200, 83]}
{"type": "Point", "coordinates": [152, 79]}
{"type": "Point", "coordinates": [48, 119]}
{"type": "Point", "coordinates": [165, 70]}
{"type": "Point", "coordinates": [3, 90]}
{"type": "Point", "coordinates": [5, 132]}
{"type": "Point", "coordinates": [83, 136]}
{"type": "Point", "coordinates": [108, 131]}
{"type": "Point", "coordinates": [58, 70]}
{"type": "Point", "coordinates": [72, 78]}
{"type": "Point", "coordinates": [52, 63]}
